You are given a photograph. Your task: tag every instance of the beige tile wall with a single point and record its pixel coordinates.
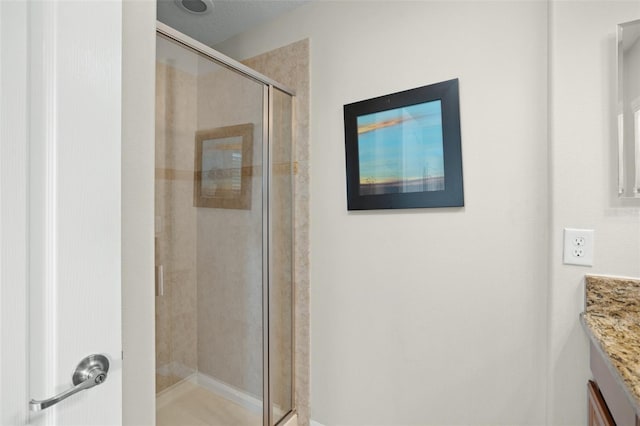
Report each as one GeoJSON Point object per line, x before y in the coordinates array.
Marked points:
{"type": "Point", "coordinates": [229, 247]}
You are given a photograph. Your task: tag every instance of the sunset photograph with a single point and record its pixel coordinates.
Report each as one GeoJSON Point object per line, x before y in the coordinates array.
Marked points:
{"type": "Point", "coordinates": [400, 150]}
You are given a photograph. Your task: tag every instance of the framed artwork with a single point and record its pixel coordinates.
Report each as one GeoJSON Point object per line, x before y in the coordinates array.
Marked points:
{"type": "Point", "coordinates": [223, 164]}
{"type": "Point", "coordinates": [403, 150]}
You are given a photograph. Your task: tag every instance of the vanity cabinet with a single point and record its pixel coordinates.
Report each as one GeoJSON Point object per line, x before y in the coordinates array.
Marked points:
{"type": "Point", "coordinates": [609, 404]}
{"type": "Point", "coordinates": [599, 414]}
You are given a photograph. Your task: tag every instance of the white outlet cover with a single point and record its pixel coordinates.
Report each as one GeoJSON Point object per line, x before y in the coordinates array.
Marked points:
{"type": "Point", "coordinates": [572, 254]}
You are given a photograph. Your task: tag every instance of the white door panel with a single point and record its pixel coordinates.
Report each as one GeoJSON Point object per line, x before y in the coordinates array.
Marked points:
{"type": "Point", "coordinates": [13, 213]}
{"type": "Point", "coordinates": [60, 231]}
{"type": "Point", "coordinates": [75, 194]}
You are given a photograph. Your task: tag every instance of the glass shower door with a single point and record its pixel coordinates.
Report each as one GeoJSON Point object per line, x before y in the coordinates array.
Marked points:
{"type": "Point", "coordinates": [209, 241]}
{"type": "Point", "coordinates": [281, 192]}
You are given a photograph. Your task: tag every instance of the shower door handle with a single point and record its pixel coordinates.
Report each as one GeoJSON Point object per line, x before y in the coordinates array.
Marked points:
{"type": "Point", "coordinates": [160, 280]}
{"type": "Point", "coordinates": [92, 371]}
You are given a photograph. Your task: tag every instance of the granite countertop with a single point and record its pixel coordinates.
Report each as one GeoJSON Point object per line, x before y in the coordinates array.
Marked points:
{"type": "Point", "coordinates": [612, 320]}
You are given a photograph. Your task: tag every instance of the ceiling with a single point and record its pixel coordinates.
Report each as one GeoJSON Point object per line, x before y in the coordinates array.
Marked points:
{"type": "Point", "coordinates": [226, 19]}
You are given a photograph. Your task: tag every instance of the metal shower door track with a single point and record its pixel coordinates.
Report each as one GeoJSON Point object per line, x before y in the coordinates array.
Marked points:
{"type": "Point", "coordinates": [221, 58]}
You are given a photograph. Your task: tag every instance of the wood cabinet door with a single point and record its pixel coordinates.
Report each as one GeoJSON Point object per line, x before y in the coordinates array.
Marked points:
{"type": "Point", "coordinates": [598, 412]}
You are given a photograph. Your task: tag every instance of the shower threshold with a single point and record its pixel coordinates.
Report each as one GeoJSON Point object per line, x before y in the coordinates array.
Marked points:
{"type": "Point", "coordinates": [191, 403]}
{"type": "Point", "coordinates": [188, 403]}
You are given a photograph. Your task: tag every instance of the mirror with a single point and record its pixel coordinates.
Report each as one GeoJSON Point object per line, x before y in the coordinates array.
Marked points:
{"type": "Point", "coordinates": [628, 109]}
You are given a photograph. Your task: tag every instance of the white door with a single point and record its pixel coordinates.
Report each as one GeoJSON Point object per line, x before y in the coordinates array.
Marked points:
{"type": "Point", "coordinates": [69, 181]}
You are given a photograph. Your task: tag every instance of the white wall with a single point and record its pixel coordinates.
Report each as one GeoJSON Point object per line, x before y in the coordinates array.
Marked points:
{"type": "Point", "coordinates": [431, 316]}
{"type": "Point", "coordinates": [583, 175]}
{"type": "Point", "coordinates": [138, 130]}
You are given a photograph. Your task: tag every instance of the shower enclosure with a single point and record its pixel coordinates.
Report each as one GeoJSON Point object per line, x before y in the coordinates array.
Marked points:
{"type": "Point", "coordinates": [224, 239]}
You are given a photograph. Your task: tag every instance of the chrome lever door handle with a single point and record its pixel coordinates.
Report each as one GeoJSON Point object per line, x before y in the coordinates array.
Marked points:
{"type": "Point", "coordinates": [90, 372]}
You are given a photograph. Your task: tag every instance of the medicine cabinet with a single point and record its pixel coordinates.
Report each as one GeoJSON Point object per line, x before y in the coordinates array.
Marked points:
{"type": "Point", "coordinates": [628, 109]}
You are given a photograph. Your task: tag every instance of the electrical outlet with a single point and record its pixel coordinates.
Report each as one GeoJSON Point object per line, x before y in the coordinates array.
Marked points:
{"type": "Point", "coordinates": [578, 247]}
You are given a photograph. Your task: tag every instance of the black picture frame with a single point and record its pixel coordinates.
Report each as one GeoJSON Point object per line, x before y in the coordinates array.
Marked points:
{"type": "Point", "coordinates": [388, 138]}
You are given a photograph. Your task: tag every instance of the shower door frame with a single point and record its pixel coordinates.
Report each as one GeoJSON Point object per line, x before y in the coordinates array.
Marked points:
{"type": "Point", "coordinates": [267, 131]}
